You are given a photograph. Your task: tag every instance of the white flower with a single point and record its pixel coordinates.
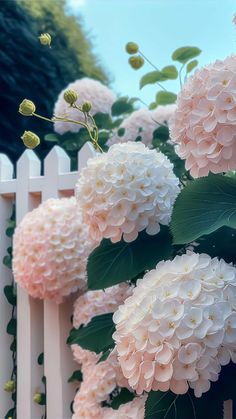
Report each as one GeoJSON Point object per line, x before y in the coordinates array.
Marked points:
{"type": "Point", "coordinates": [179, 326]}
{"type": "Point", "coordinates": [89, 90]}
{"type": "Point", "coordinates": [126, 190]}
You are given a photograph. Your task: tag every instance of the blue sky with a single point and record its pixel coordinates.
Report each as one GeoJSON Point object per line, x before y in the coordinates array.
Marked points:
{"type": "Point", "coordinates": [159, 27]}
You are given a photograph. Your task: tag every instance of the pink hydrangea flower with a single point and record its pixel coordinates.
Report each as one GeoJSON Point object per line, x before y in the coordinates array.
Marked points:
{"type": "Point", "coordinates": [131, 410]}
{"type": "Point", "coordinates": [204, 124]}
{"type": "Point", "coordinates": [50, 250]}
{"type": "Point", "coordinates": [142, 123]}
{"type": "Point", "coordinates": [98, 302]}
{"type": "Point", "coordinates": [100, 96]}
{"type": "Point", "coordinates": [179, 326]}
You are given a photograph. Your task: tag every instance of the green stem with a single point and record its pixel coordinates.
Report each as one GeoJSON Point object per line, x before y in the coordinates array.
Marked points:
{"type": "Point", "coordinates": [180, 79]}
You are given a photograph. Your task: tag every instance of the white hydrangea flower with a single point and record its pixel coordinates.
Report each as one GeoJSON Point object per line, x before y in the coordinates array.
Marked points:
{"type": "Point", "coordinates": [100, 96]}
{"type": "Point", "coordinates": [126, 190]}
{"type": "Point", "coordinates": [179, 326]}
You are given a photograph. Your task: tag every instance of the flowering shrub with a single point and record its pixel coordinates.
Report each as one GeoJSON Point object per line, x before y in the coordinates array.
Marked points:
{"type": "Point", "coordinates": [125, 191]}
{"type": "Point", "coordinates": [174, 325]}
{"type": "Point", "coordinates": [51, 248]}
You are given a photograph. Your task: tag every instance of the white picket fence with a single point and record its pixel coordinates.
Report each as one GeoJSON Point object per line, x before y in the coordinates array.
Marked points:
{"type": "Point", "coordinates": [41, 326]}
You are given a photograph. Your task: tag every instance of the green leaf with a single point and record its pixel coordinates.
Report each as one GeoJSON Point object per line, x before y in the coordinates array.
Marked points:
{"type": "Point", "coordinates": [191, 65]}
{"type": "Point", "coordinates": [10, 414]}
{"type": "Point", "coordinates": [121, 132]}
{"type": "Point", "coordinates": [170, 72]}
{"type": "Point", "coordinates": [76, 376]}
{"type": "Point", "coordinates": [171, 406]}
{"type": "Point", "coordinates": [184, 54]}
{"type": "Point", "coordinates": [123, 397]}
{"type": "Point", "coordinates": [11, 227]}
{"type": "Point", "coordinates": [96, 335]}
{"type": "Point", "coordinates": [112, 263]}
{"type": "Point", "coordinates": [169, 151]}
{"type": "Point", "coordinates": [103, 120]}
{"type": "Point", "coordinates": [11, 327]}
{"type": "Point", "coordinates": [202, 207]}
{"type": "Point", "coordinates": [121, 106]}
{"type": "Point", "coordinates": [10, 294]}
{"type": "Point", "coordinates": [41, 359]}
{"type": "Point", "coordinates": [7, 261]}
{"type": "Point", "coordinates": [151, 78]}
{"type": "Point", "coordinates": [105, 355]}
{"type": "Point", "coordinates": [165, 98]}
{"type": "Point", "coordinates": [162, 133]}
{"type": "Point", "coordinates": [221, 244]}
{"type": "Point", "coordinates": [52, 138]}
{"type": "Point", "coordinates": [152, 106]}
{"type": "Point", "coordinates": [13, 346]}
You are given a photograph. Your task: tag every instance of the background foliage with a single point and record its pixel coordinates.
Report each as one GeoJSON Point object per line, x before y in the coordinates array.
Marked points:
{"type": "Point", "coordinates": [30, 70]}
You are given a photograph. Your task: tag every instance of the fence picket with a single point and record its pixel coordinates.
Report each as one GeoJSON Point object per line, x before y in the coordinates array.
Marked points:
{"type": "Point", "coordinates": [6, 172]}
{"type": "Point", "coordinates": [29, 311]}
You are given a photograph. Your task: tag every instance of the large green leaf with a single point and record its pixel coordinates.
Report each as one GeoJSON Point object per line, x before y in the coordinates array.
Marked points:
{"type": "Point", "coordinates": [171, 406]}
{"type": "Point", "coordinates": [220, 243]}
{"type": "Point", "coordinates": [96, 335]}
{"type": "Point", "coordinates": [110, 264]}
{"type": "Point", "coordinates": [121, 106]}
{"type": "Point", "coordinates": [184, 54]}
{"type": "Point", "coordinates": [170, 72]}
{"type": "Point", "coordinates": [191, 65]}
{"type": "Point", "coordinates": [151, 78]}
{"type": "Point", "coordinates": [124, 396]}
{"type": "Point", "coordinates": [165, 98]}
{"type": "Point", "coordinates": [203, 206]}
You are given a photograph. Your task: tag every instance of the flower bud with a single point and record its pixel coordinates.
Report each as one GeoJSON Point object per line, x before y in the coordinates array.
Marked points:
{"type": "Point", "coordinates": [70, 96]}
{"type": "Point", "coordinates": [136, 62]}
{"type": "Point", "coordinates": [27, 107]}
{"type": "Point", "coordinates": [45, 39]}
{"type": "Point", "coordinates": [10, 386]}
{"type": "Point", "coordinates": [38, 398]}
{"type": "Point", "coordinates": [86, 107]}
{"type": "Point", "coordinates": [30, 139]}
{"type": "Point", "coordinates": [131, 48]}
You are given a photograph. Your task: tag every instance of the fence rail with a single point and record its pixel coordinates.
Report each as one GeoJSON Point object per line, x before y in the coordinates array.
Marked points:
{"type": "Point", "coordinates": [41, 326]}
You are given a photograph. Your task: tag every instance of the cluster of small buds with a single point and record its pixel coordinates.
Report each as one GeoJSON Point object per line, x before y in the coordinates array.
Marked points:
{"type": "Point", "coordinates": [45, 39]}
{"type": "Point", "coordinates": [10, 386]}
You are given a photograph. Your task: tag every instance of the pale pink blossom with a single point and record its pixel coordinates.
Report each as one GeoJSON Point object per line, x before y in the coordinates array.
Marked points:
{"type": "Point", "coordinates": [50, 250]}
{"type": "Point", "coordinates": [100, 96]}
{"type": "Point", "coordinates": [204, 122]}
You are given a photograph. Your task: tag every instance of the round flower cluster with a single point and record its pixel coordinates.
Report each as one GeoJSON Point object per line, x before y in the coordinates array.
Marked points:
{"type": "Point", "coordinates": [99, 381]}
{"type": "Point", "coordinates": [205, 120]}
{"type": "Point", "coordinates": [126, 190]}
{"type": "Point", "coordinates": [88, 90]}
{"type": "Point", "coordinates": [94, 303]}
{"type": "Point", "coordinates": [91, 304]}
{"type": "Point", "coordinates": [141, 124]}
{"type": "Point", "coordinates": [50, 250]}
{"type": "Point", "coordinates": [179, 326]}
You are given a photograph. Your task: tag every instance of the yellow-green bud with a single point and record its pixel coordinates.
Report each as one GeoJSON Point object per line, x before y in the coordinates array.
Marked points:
{"type": "Point", "coordinates": [10, 386]}
{"type": "Point", "coordinates": [45, 39]}
{"type": "Point", "coordinates": [30, 139]}
{"type": "Point", "coordinates": [27, 107]}
{"type": "Point", "coordinates": [37, 398]}
{"type": "Point", "coordinates": [136, 62]}
{"type": "Point", "coordinates": [86, 107]}
{"type": "Point", "coordinates": [131, 48]}
{"type": "Point", "coordinates": [70, 96]}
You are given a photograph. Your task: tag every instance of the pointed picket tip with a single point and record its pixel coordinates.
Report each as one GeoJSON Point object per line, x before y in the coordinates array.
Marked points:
{"type": "Point", "coordinates": [57, 161]}
{"type": "Point", "coordinates": [6, 168]}
{"type": "Point", "coordinates": [28, 164]}
{"type": "Point", "coordinates": [85, 153]}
